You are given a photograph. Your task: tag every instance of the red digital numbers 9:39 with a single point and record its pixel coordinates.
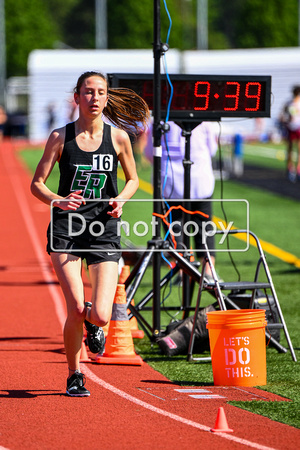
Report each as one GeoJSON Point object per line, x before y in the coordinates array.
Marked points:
{"type": "Point", "coordinates": [231, 96]}
{"type": "Point", "coordinates": [215, 96]}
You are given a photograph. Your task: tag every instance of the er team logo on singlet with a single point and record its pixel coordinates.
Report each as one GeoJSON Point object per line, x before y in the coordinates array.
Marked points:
{"type": "Point", "coordinates": [88, 178]}
{"type": "Point", "coordinates": [89, 181]}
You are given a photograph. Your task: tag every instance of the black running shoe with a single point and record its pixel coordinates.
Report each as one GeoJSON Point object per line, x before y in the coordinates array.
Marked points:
{"type": "Point", "coordinates": [95, 338]}
{"type": "Point", "coordinates": [75, 386]}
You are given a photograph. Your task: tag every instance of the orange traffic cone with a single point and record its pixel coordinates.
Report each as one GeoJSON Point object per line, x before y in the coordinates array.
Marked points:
{"type": "Point", "coordinates": [119, 348]}
{"type": "Point", "coordinates": [84, 355]}
{"type": "Point", "coordinates": [192, 257]}
{"type": "Point", "coordinates": [135, 332]}
{"type": "Point", "coordinates": [221, 425]}
{"type": "Point", "coordinates": [125, 272]}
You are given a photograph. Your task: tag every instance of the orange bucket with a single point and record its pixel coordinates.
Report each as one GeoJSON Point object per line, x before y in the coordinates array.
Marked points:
{"type": "Point", "coordinates": [238, 347]}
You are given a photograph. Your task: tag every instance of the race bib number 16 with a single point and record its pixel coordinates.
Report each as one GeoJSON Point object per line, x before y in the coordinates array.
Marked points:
{"type": "Point", "coordinates": [103, 163]}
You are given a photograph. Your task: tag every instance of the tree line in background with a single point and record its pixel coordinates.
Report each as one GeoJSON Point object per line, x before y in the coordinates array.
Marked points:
{"type": "Point", "coordinates": [40, 24]}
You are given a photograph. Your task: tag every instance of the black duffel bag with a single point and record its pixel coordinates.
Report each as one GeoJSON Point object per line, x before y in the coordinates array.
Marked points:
{"type": "Point", "coordinates": [176, 342]}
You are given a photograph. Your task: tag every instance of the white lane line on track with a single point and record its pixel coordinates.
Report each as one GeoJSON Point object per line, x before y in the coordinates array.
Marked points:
{"type": "Point", "coordinates": [60, 311]}
{"type": "Point", "coordinates": [168, 414]}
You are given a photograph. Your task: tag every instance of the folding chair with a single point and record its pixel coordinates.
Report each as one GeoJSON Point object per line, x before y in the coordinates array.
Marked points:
{"type": "Point", "coordinates": [217, 289]}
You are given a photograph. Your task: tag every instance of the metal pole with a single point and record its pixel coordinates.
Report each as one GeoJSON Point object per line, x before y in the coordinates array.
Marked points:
{"type": "Point", "coordinates": [101, 24]}
{"type": "Point", "coordinates": [202, 28]}
{"type": "Point", "coordinates": [187, 131]}
{"type": "Point", "coordinates": [157, 153]}
{"type": "Point", "coordinates": [2, 53]}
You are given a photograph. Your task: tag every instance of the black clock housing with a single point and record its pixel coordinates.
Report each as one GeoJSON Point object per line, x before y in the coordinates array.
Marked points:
{"type": "Point", "coordinates": [203, 97]}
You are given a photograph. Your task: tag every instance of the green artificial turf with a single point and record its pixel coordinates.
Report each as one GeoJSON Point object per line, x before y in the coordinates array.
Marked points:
{"type": "Point", "coordinates": [274, 219]}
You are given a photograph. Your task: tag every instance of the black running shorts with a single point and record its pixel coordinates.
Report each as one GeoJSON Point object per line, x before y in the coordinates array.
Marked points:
{"type": "Point", "coordinates": [100, 253]}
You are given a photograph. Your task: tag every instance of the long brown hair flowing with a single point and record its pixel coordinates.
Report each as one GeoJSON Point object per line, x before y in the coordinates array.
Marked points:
{"type": "Point", "coordinates": [125, 108]}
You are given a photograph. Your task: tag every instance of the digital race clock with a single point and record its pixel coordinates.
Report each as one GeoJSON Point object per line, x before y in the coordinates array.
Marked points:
{"type": "Point", "coordinates": [203, 97]}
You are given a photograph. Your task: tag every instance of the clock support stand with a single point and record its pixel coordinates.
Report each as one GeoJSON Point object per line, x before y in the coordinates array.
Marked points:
{"type": "Point", "coordinates": [190, 272]}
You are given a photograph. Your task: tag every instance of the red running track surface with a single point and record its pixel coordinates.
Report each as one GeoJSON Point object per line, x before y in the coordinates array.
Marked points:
{"type": "Point", "coordinates": [130, 407]}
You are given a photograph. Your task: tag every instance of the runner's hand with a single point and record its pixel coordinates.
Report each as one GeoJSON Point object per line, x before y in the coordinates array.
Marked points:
{"type": "Point", "coordinates": [71, 202]}
{"type": "Point", "coordinates": [116, 208]}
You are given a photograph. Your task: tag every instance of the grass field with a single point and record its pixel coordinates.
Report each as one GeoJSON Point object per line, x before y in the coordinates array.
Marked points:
{"type": "Point", "coordinates": [275, 220]}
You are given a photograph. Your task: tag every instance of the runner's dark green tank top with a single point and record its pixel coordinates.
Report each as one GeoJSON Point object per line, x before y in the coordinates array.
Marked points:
{"type": "Point", "coordinates": [95, 174]}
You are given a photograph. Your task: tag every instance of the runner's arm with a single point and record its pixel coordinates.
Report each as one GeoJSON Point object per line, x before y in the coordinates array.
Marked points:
{"type": "Point", "coordinates": [123, 148]}
{"type": "Point", "coordinates": [51, 155]}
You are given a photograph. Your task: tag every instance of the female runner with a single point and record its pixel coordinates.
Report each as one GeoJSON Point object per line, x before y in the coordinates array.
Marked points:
{"type": "Point", "coordinates": [87, 207]}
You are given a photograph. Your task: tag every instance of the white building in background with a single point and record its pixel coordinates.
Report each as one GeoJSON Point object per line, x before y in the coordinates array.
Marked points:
{"type": "Point", "coordinates": [52, 75]}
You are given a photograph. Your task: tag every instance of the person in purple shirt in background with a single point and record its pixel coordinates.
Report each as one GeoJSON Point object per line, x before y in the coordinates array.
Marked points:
{"type": "Point", "coordinates": [203, 147]}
